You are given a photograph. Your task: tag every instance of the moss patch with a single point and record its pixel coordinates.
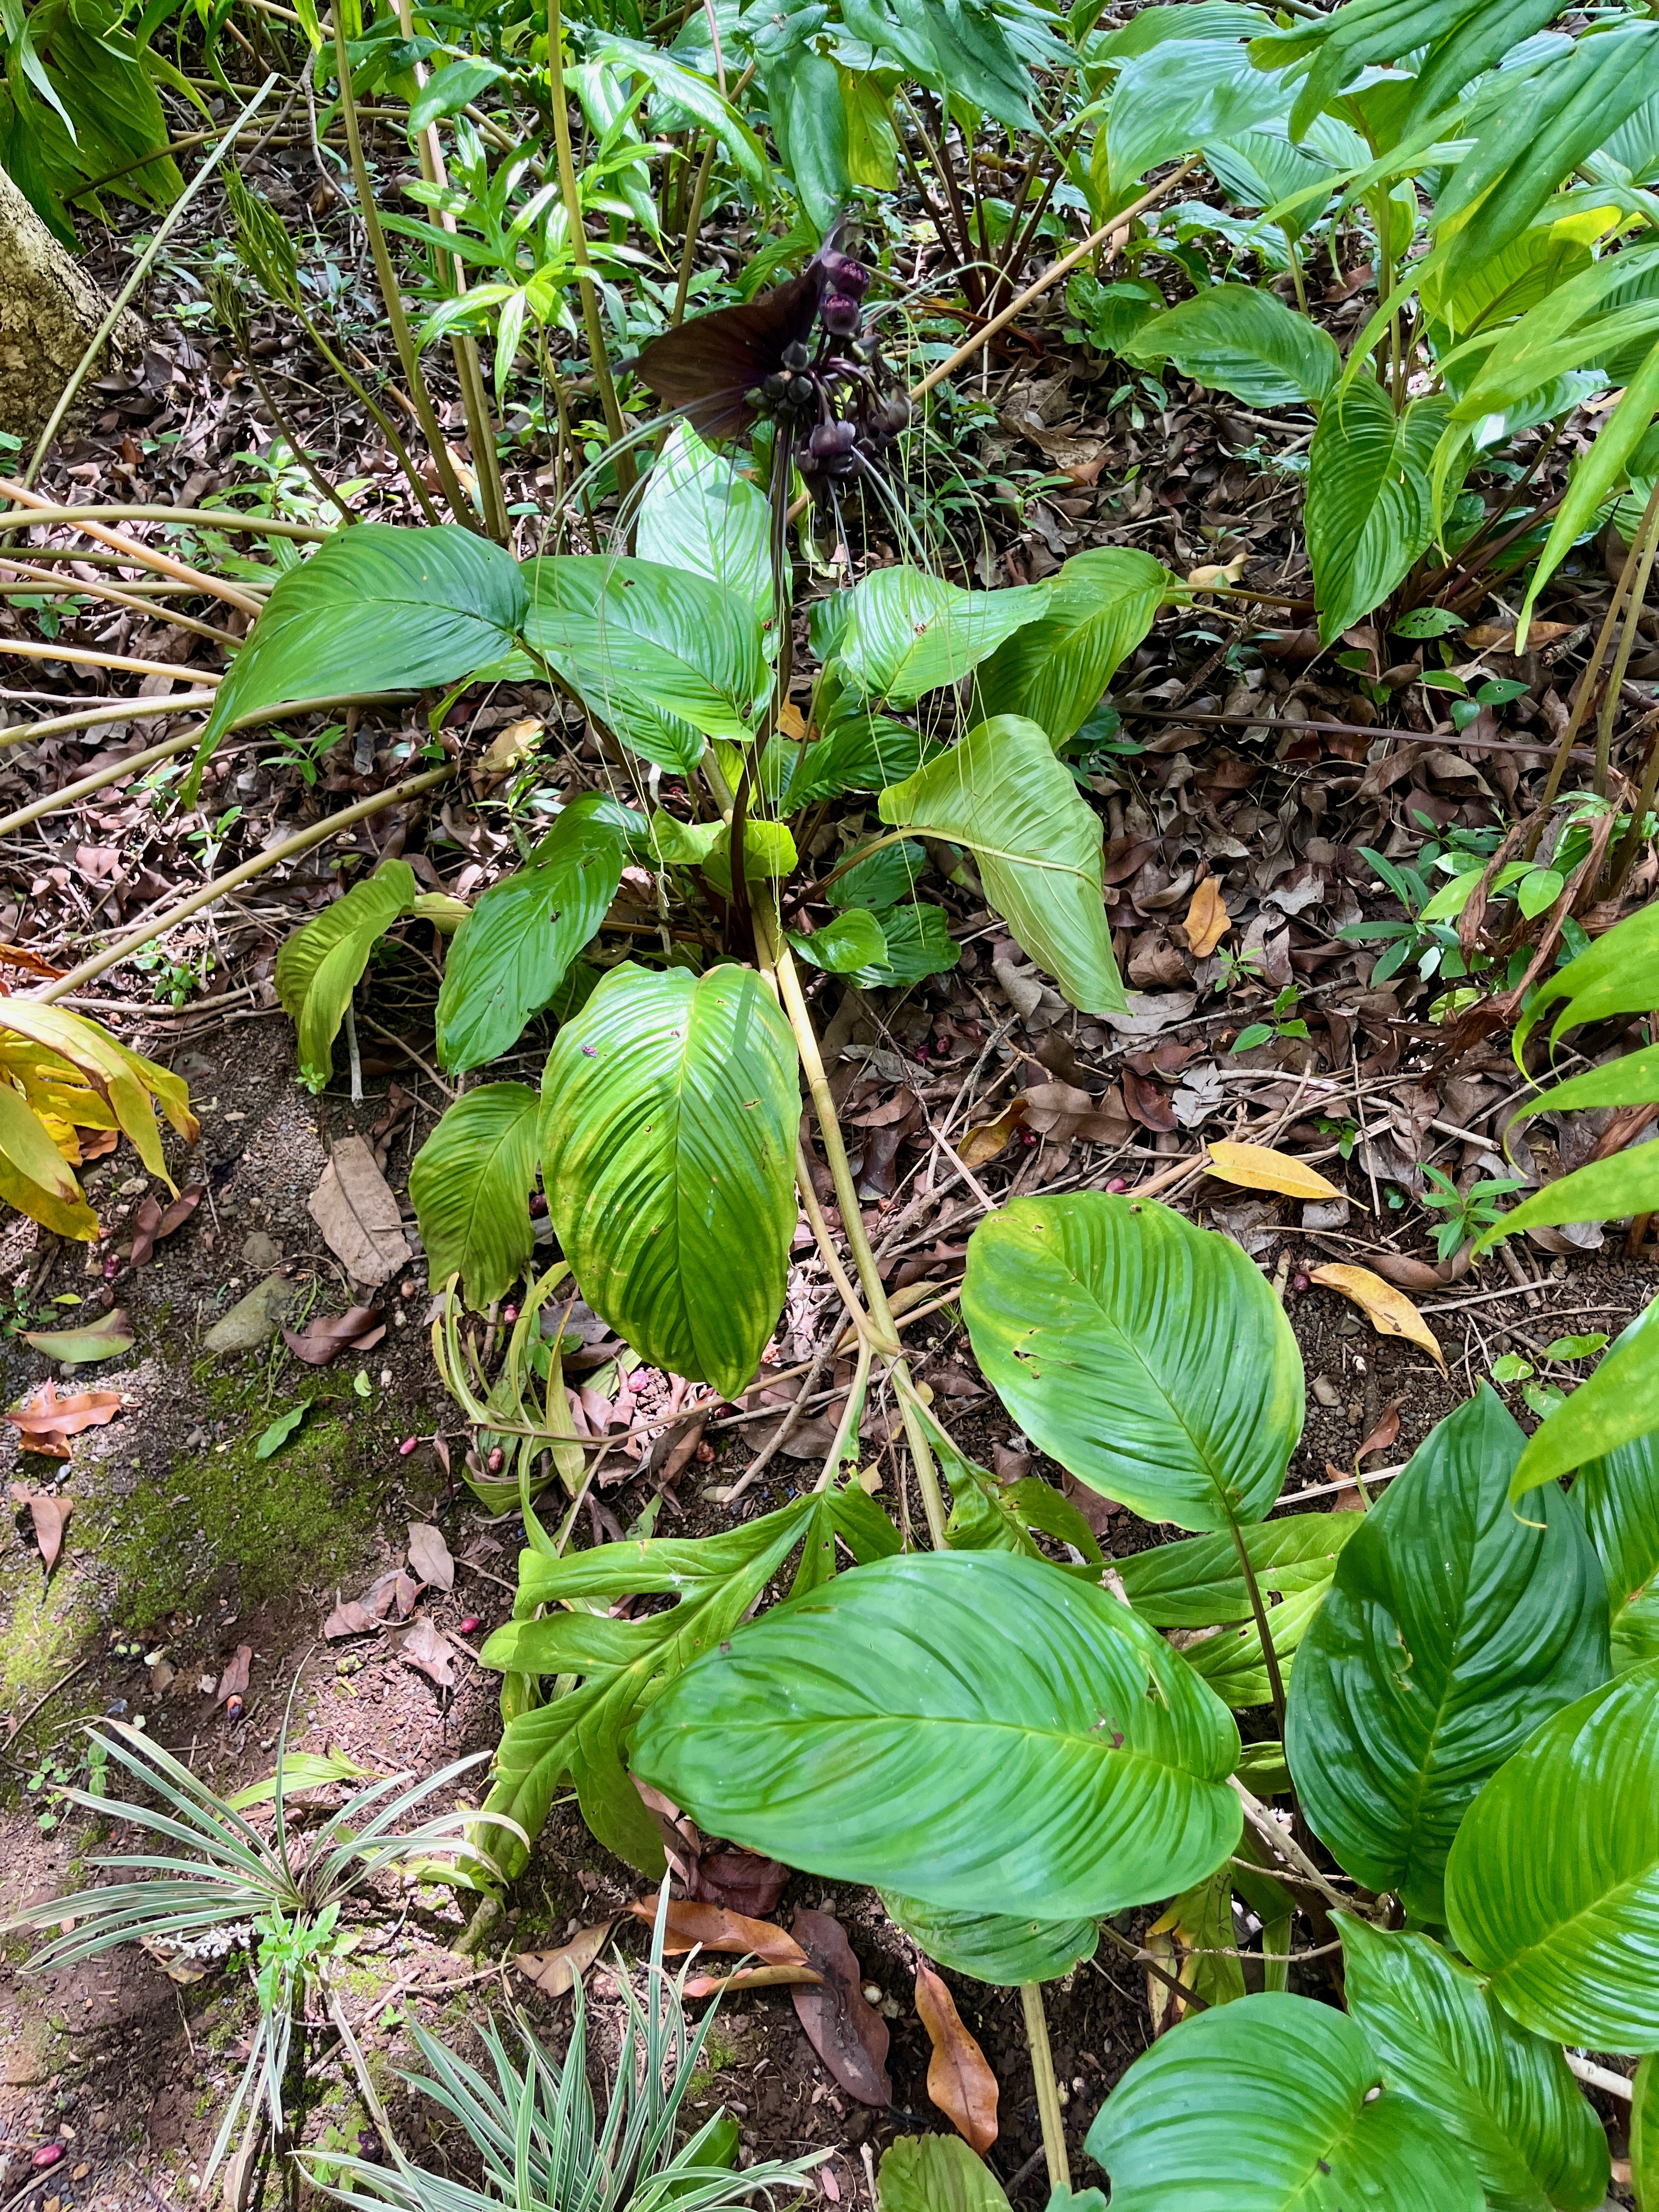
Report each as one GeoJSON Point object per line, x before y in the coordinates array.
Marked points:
{"type": "Point", "coordinates": [47, 1630]}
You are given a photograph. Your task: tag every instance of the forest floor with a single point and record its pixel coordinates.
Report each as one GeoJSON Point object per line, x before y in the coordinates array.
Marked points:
{"type": "Point", "coordinates": [1266, 770]}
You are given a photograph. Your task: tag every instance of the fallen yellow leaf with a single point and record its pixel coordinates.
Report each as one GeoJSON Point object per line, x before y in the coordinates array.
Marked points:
{"type": "Point", "coordinates": [990, 1138]}
{"type": "Point", "coordinates": [792, 723]}
{"type": "Point", "coordinates": [1207, 919]}
{"type": "Point", "coordinates": [1256, 1167]}
{"type": "Point", "coordinates": [1214, 576]}
{"type": "Point", "coordinates": [1390, 1311]}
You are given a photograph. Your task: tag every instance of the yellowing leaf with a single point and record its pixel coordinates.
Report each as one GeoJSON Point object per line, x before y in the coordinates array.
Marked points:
{"type": "Point", "coordinates": [1390, 1311]}
{"type": "Point", "coordinates": [1216, 576]}
{"type": "Point", "coordinates": [1257, 1167]}
{"type": "Point", "coordinates": [792, 723]}
{"type": "Point", "coordinates": [985, 1141]}
{"type": "Point", "coordinates": [1207, 919]}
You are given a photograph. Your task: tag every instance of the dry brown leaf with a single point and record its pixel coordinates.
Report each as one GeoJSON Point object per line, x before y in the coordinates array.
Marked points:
{"type": "Point", "coordinates": [1408, 1273]}
{"type": "Point", "coordinates": [428, 1556]}
{"type": "Point", "coordinates": [1215, 576]}
{"type": "Point", "coordinates": [987, 1139]}
{"type": "Point", "coordinates": [357, 1213]}
{"type": "Point", "coordinates": [1207, 919]}
{"type": "Point", "coordinates": [322, 1340]}
{"type": "Point", "coordinates": [1390, 1311]}
{"type": "Point", "coordinates": [233, 1682]}
{"type": "Point", "coordinates": [1382, 1435]}
{"type": "Point", "coordinates": [555, 1973]}
{"type": "Point", "coordinates": [753, 1978]}
{"type": "Point", "coordinates": [1499, 637]}
{"type": "Point", "coordinates": [792, 723]}
{"type": "Point", "coordinates": [507, 748]}
{"type": "Point", "coordinates": [1257, 1167]}
{"type": "Point", "coordinates": [423, 1645]}
{"type": "Point", "coordinates": [847, 2031]}
{"type": "Point", "coordinates": [959, 2080]}
{"type": "Point", "coordinates": [152, 1221]}
{"type": "Point", "coordinates": [49, 1516]}
{"type": "Point", "coordinates": [717, 1929]}
{"type": "Point", "coordinates": [348, 1618]}
{"type": "Point", "coordinates": [47, 1421]}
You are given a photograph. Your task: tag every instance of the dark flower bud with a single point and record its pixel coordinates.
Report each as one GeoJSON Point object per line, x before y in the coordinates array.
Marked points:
{"type": "Point", "coordinates": [840, 314]}
{"type": "Point", "coordinates": [847, 275]}
{"type": "Point", "coordinates": [796, 356]}
{"type": "Point", "coordinates": [755, 397]}
{"type": "Point", "coordinates": [893, 413]}
{"type": "Point", "coordinates": [774, 387]}
{"type": "Point", "coordinates": [831, 438]}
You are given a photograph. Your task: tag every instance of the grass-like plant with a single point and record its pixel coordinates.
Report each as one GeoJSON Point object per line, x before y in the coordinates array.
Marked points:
{"type": "Point", "coordinates": [541, 2141]}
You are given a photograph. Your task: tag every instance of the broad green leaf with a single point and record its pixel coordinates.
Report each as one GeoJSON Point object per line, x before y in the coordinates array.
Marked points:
{"type": "Point", "coordinates": [767, 850]}
{"type": "Point", "coordinates": [1176, 98]}
{"type": "Point", "coordinates": [1198, 1582]}
{"type": "Point", "coordinates": [860, 751]}
{"type": "Point", "coordinates": [1369, 512]}
{"type": "Point", "coordinates": [1616, 973]}
{"type": "Point", "coordinates": [106, 1338]}
{"type": "Point", "coordinates": [510, 954]}
{"type": "Point", "coordinates": [1230, 1660]}
{"type": "Point", "coordinates": [991, 1946]}
{"type": "Point", "coordinates": [662, 656]}
{"type": "Point", "coordinates": [1618, 1405]}
{"type": "Point", "coordinates": [280, 1430]}
{"type": "Point", "coordinates": [1618, 1497]}
{"type": "Point", "coordinates": [1552, 1886]}
{"type": "Point", "coordinates": [1268, 2105]}
{"type": "Point", "coordinates": [917, 941]}
{"type": "Point", "coordinates": [1235, 338]}
{"type": "Point", "coordinates": [960, 53]}
{"type": "Point", "coordinates": [679, 844]}
{"type": "Point", "coordinates": [682, 89]}
{"type": "Point", "coordinates": [979, 1731]}
{"type": "Point", "coordinates": [1467, 37]}
{"type": "Point", "coordinates": [671, 1108]}
{"type": "Point", "coordinates": [1594, 475]}
{"type": "Point", "coordinates": [853, 940]}
{"type": "Point", "coordinates": [1451, 1630]}
{"type": "Point", "coordinates": [698, 514]}
{"type": "Point", "coordinates": [1001, 793]}
{"type": "Point", "coordinates": [1054, 669]}
{"type": "Point", "coordinates": [1644, 2136]}
{"type": "Point", "coordinates": [470, 1184]}
{"type": "Point", "coordinates": [300, 1769]}
{"type": "Point", "coordinates": [809, 121]}
{"type": "Point", "coordinates": [1148, 1357]}
{"type": "Point", "coordinates": [1632, 1079]}
{"type": "Point", "coordinates": [1506, 2096]}
{"type": "Point", "coordinates": [448, 90]}
{"type": "Point", "coordinates": [936, 2173]}
{"type": "Point", "coordinates": [376, 609]}
{"type": "Point", "coordinates": [1603, 1190]}
{"type": "Point", "coordinates": [883, 878]}
{"type": "Point", "coordinates": [907, 632]}
{"type": "Point", "coordinates": [321, 964]}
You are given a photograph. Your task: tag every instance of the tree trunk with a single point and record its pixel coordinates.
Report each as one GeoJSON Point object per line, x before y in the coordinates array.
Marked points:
{"type": "Point", "coordinates": [49, 312]}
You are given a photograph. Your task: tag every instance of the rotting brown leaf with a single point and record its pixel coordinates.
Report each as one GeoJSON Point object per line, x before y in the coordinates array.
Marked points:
{"type": "Point", "coordinates": [429, 1557]}
{"type": "Point", "coordinates": [687, 1925]}
{"type": "Point", "coordinates": [153, 1222]}
{"type": "Point", "coordinates": [423, 1645]}
{"type": "Point", "coordinates": [1386, 1429]}
{"type": "Point", "coordinates": [354, 1208]}
{"type": "Point", "coordinates": [322, 1340]}
{"type": "Point", "coordinates": [47, 1421]}
{"type": "Point", "coordinates": [555, 1973]}
{"type": "Point", "coordinates": [987, 1139]}
{"type": "Point", "coordinates": [49, 1516]}
{"type": "Point", "coordinates": [233, 1683]}
{"type": "Point", "coordinates": [847, 2031]}
{"type": "Point", "coordinates": [959, 2078]}
{"type": "Point", "coordinates": [349, 1618]}
{"type": "Point", "coordinates": [752, 1978]}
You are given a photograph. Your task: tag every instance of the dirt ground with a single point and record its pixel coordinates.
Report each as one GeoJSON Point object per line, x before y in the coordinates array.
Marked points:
{"type": "Point", "coordinates": [184, 1546]}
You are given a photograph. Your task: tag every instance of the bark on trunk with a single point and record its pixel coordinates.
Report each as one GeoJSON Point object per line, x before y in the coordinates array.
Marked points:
{"type": "Point", "coordinates": [49, 310]}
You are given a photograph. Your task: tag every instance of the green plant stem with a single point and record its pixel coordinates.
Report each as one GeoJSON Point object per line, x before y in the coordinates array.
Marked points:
{"type": "Point", "coordinates": [1047, 2089]}
{"type": "Point", "coordinates": [460, 505]}
{"type": "Point", "coordinates": [627, 475]}
{"type": "Point", "coordinates": [1270, 1657]}
{"type": "Point", "coordinates": [42, 513]}
{"type": "Point", "coordinates": [31, 582]}
{"type": "Point", "coordinates": [693, 219]}
{"type": "Point", "coordinates": [37, 511]}
{"type": "Point", "coordinates": [141, 269]}
{"type": "Point", "coordinates": [1638, 592]}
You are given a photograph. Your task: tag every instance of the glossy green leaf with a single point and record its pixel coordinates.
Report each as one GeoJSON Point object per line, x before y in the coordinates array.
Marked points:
{"type": "Point", "coordinates": [671, 1106]}
{"type": "Point", "coordinates": [768, 850]}
{"type": "Point", "coordinates": [860, 751]}
{"type": "Point", "coordinates": [907, 632]}
{"type": "Point", "coordinates": [661, 655]}
{"type": "Point", "coordinates": [1233, 338]}
{"type": "Point", "coordinates": [1369, 512]}
{"type": "Point", "coordinates": [1267, 2105]}
{"type": "Point", "coordinates": [1644, 2136]}
{"type": "Point", "coordinates": [1616, 1407]}
{"type": "Point", "coordinates": [936, 2173]}
{"type": "Point", "coordinates": [1054, 669]}
{"type": "Point", "coordinates": [1001, 793]}
{"type": "Point", "coordinates": [1617, 973]}
{"type": "Point", "coordinates": [698, 514]}
{"type": "Point", "coordinates": [1198, 1582]}
{"type": "Point", "coordinates": [1506, 2096]}
{"type": "Point", "coordinates": [1632, 1079]}
{"type": "Point", "coordinates": [470, 1184]}
{"type": "Point", "coordinates": [1552, 1886]}
{"type": "Point", "coordinates": [1148, 1357]}
{"type": "Point", "coordinates": [917, 943]}
{"type": "Point", "coordinates": [979, 1731]}
{"type": "Point", "coordinates": [1603, 1190]}
{"type": "Point", "coordinates": [1230, 1659]}
{"type": "Point", "coordinates": [853, 940]}
{"type": "Point", "coordinates": [376, 609]}
{"type": "Point", "coordinates": [510, 954]}
{"type": "Point", "coordinates": [1451, 1630]}
{"type": "Point", "coordinates": [883, 878]}
{"type": "Point", "coordinates": [1596, 475]}
{"type": "Point", "coordinates": [1179, 96]}
{"type": "Point", "coordinates": [1618, 1497]}
{"type": "Point", "coordinates": [321, 964]}
{"type": "Point", "coordinates": [992, 1946]}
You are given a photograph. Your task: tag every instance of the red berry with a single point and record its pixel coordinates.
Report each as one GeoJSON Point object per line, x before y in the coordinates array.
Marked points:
{"type": "Point", "coordinates": [466, 1627]}
{"type": "Point", "coordinates": [48, 2154]}
{"type": "Point", "coordinates": [1118, 1184]}
{"type": "Point", "coordinates": [407, 1445]}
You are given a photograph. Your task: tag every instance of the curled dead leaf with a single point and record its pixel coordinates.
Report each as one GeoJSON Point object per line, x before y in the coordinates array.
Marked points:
{"type": "Point", "coordinates": [1207, 919]}
{"type": "Point", "coordinates": [987, 1139]}
{"type": "Point", "coordinates": [322, 1340]}
{"type": "Point", "coordinates": [423, 1645]}
{"type": "Point", "coordinates": [846, 2031]}
{"type": "Point", "coordinates": [959, 2080]}
{"type": "Point", "coordinates": [233, 1682]}
{"type": "Point", "coordinates": [348, 1618]}
{"type": "Point", "coordinates": [1258, 1167]}
{"type": "Point", "coordinates": [1386, 1429]}
{"type": "Point", "coordinates": [555, 1973]}
{"type": "Point", "coordinates": [47, 1421]}
{"type": "Point", "coordinates": [1390, 1311]}
{"type": "Point", "coordinates": [688, 1924]}
{"type": "Point", "coordinates": [48, 1516]}
{"type": "Point", "coordinates": [153, 1222]}
{"type": "Point", "coordinates": [753, 1978]}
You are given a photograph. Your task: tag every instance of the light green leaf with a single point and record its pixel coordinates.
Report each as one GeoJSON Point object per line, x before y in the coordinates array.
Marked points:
{"type": "Point", "coordinates": [1552, 1886]}
{"type": "Point", "coordinates": [468, 1184]}
{"type": "Point", "coordinates": [1632, 1079]}
{"type": "Point", "coordinates": [376, 609]}
{"type": "Point", "coordinates": [853, 940]}
{"type": "Point", "coordinates": [1001, 793]}
{"type": "Point", "coordinates": [280, 1430]}
{"type": "Point", "coordinates": [1506, 2096]}
{"type": "Point", "coordinates": [1617, 1494]}
{"type": "Point", "coordinates": [991, 1946]}
{"type": "Point", "coordinates": [860, 752]}
{"type": "Point", "coordinates": [670, 1109]}
{"type": "Point", "coordinates": [907, 632]}
{"type": "Point", "coordinates": [1594, 475]}
{"type": "Point", "coordinates": [1616, 973]}
{"type": "Point", "coordinates": [1451, 1630]}
{"type": "Point", "coordinates": [917, 942]}
{"type": "Point", "coordinates": [1267, 2105]}
{"type": "Point", "coordinates": [1148, 1357]}
{"type": "Point", "coordinates": [321, 964]}
{"type": "Point", "coordinates": [663, 657]}
{"type": "Point", "coordinates": [1617, 1404]}
{"type": "Point", "coordinates": [1198, 1582]}
{"type": "Point", "coordinates": [106, 1338]}
{"type": "Point", "coordinates": [1644, 2136]}
{"type": "Point", "coordinates": [1369, 512]}
{"type": "Point", "coordinates": [679, 844]}
{"type": "Point", "coordinates": [1054, 669]}
{"type": "Point", "coordinates": [1230, 1660]}
{"type": "Point", "coordinates": [510, 954]}
{"type": "Point", "coordinates": [768, 850]}
{"type": "Point", "coordinates": [1179, 96]}
{"type": "Point", "coordinates": [976, 1730]}
{"type": "Point", "coordinates": [1603, 1190]}
{"type": "Point", "coordinates": [1235, 338]}
{"type": "Point", "coordinates": [699, 515]}
{"type": "Point", "coordinates": [300, 1769]}
{"type": "Point", "coordinates": [936, 2173]}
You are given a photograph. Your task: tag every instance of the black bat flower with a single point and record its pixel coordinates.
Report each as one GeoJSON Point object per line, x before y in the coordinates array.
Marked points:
{"type": "Point", "coordinates": [710, 366]}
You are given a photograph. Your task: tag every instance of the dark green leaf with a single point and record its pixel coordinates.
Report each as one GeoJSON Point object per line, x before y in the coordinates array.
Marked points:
{"type": "Point", "coordinates": [885, 878]}
{"type": "Point", "coordinates": [468, 1184]}
{"type": "Point", "coordinates": [918, 944]}
{"type": "Point", "coordinates": [1197, 1582]}
{"type": "Point", "coordinates": [1618, 1497]}
{"type": "Point", "coordinates": [1370, 512]}
{"type": "Point", "coordinates": [321, 964]}
{"type": "Point", "coordinates": [992, 1948]}
{"type": "Point", "coordinates": [853, 940]}
{"type": "Point", "coordinates": [1054, 671]}
{"type": "Point", "coordinates": [907, 632]}
{"type": "Point", "coordinates": [1243, 341]}
{"type": "Point", "coordinates": [1617, 1407]}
